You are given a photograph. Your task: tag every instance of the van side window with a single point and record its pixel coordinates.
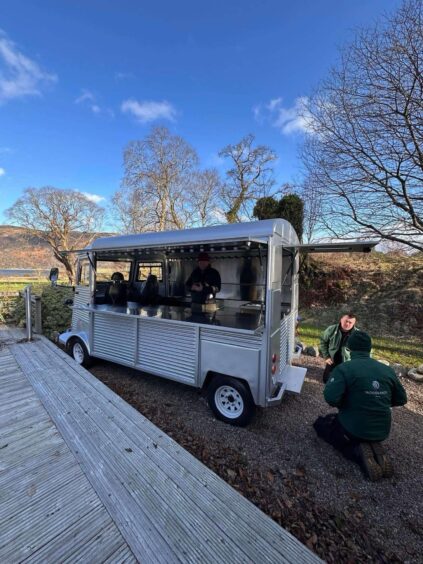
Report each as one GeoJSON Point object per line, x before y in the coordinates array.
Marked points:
{"type": "Point", "coordinates": [106, 268]}
{"type": "Point", "coordinates": [84, 273]}
{"type": "Point", "coordinates": [147, 268]}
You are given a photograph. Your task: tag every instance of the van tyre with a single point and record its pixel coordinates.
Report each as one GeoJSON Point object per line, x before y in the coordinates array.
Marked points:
{"type": "Point", "coordinates": [79, 353]}
{"type": "Point", "coordinates": [231, 400]}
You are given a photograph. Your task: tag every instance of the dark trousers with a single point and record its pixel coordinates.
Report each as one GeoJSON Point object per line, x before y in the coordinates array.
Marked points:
{"type": "Point", "coordinates": [328, 370]}
{"type": "Point", "coordinates": [330, 430]}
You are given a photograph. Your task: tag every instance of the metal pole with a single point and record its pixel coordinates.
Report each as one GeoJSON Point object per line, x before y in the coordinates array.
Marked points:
{"type": "Point", "coordinates": [28, 312]}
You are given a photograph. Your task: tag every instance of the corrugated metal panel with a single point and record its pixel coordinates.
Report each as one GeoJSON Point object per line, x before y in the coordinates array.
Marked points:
{"type": "Point", "coordinates": [168, 349]}
{"type": "Point", "coordinates": [231, 338]}
{"type": "Point", "coordinates": [80, 318]}
{"type": "Point", "coordinates": [284, 336]}
{"type": "Point", "coordinates": [114, 337]}
{"type": "Point", "coordinates": [291, 333]}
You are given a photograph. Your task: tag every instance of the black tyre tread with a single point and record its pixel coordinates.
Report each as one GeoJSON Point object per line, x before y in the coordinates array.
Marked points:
{"type": "Point", "coordinates": [88, 360]}
{"type": "Point", "coordinates": [249, 406]}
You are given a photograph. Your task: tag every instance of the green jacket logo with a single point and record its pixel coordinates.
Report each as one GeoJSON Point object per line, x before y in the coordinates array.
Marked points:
{"type": "Point", "coordinates": [375, 385]}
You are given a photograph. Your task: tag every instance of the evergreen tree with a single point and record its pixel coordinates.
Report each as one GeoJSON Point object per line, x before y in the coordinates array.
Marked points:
{"type": "Point", "coordinates": [266, 208]}
{"type": "Point", "coordinates": [291, 208]}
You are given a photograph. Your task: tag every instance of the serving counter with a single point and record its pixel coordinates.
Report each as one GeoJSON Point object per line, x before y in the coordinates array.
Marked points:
{"type": "Point", "coordinates": [226, 317]}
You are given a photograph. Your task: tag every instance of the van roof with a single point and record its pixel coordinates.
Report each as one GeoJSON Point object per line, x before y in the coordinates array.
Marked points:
{"type": "Point", "coordinates": [248, 231]}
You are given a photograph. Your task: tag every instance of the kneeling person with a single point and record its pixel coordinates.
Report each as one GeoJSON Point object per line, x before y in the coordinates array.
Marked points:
{"type": "Point", "coordinates": [363, 390]}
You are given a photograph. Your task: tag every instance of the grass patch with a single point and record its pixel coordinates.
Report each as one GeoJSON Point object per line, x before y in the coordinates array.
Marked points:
{"type": "Point", "coordinates": [37, 285]}
{"type": "Point", "coordinates": [15, 285]}
{"type": "Point", "coordinates": [406, 351]}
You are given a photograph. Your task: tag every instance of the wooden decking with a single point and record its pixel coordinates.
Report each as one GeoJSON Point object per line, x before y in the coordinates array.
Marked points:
{"type": "Point", "coordinates": [85, 477]}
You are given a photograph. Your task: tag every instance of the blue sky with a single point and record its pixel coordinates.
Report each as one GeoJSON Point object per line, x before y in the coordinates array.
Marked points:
{"type": "Point", "coordinates": [80, 79]}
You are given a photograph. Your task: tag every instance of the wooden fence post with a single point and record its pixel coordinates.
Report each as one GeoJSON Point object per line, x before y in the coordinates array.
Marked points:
{"type": "Point", "coordinates": [38, 322]}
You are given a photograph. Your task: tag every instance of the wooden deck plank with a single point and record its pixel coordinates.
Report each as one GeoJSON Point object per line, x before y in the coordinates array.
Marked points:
{"type": "Point", "coordinates": [11, 333]}
{"type": "Point", "coordinates": [35, 418]}
{"type": "Point", "coordinates": [44, 495]}
{"type": "Point", "coordinates": [143, 536]}
{"type": "Point", "coordinates": [122, 555]}
{"type": "Point", "coordinates": [38, 481]}
{"type": "Point", "coordinates": [36, 526]}
{"type": "Point", "coordinates": [154, 499]}
{"type": "Point", "coordinates": [161, 494]}
{"type": "Point", "coordinates": [69, 540]}
{"type": "Point", "coordinates": [155, 472]}
{"type": "Point", "coordinates": [22, 463]}
{"type": "Point", "coordinates": [181, 465]}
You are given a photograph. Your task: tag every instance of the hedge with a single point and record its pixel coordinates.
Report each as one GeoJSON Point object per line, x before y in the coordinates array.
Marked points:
{"type": "Point", "coordinates": [56, 316]}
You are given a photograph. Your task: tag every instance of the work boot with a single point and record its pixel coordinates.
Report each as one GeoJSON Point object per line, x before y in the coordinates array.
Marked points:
{"type": "Point", "coordinates": [382, 459]}
{"type": "Point", "coordinates": [368, 462]}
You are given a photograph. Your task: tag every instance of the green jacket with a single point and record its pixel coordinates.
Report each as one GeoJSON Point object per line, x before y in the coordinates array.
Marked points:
{"type": "Point", "coordinates": [330, 341]}
{"type": "Point", "coordinates": [364, 390]}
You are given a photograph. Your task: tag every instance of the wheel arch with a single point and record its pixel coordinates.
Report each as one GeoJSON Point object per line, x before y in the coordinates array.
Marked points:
{"type": "Point", "coordinates": [71, 336]}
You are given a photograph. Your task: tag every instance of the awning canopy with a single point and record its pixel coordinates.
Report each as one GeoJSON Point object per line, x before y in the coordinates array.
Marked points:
{"type": "Point", "coordinates": [339, 247]}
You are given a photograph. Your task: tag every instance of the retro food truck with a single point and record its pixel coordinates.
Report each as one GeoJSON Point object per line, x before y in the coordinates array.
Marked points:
{"type": "Point", "coordinates": [132, 306]}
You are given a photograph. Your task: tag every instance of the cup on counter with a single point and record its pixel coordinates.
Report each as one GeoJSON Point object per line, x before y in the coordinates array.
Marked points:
{"type": "Point", "coordinates": [132, 307]}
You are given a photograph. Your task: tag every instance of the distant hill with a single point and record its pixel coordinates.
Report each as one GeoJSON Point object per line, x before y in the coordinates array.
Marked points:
{"type": "Point", "coordinates": [18, 250]}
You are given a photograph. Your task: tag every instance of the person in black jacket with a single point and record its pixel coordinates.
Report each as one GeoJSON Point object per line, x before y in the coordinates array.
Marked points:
{"type": "Point", "coordinates": [204, 282]}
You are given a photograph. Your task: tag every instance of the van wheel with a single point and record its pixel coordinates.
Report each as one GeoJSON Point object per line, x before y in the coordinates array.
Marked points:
{"type": "Point", "coordinates": [79, 353]}
{"type": "Point", "coordinates": [231, 401]}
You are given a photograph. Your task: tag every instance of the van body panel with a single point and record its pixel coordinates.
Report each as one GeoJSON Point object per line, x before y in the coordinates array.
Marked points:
{"type": "Point", "coordinates": [242, 363]}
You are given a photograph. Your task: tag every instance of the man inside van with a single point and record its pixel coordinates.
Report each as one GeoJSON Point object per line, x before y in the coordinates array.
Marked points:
{"type": "Point", "coordinates": [204, 282]}
{"type": "Point", "coordinates": [333, 343]}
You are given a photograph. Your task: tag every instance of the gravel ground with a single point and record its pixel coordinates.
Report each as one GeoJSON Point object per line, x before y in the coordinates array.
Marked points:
{"type": "Point", "coordinates": [281, 466]}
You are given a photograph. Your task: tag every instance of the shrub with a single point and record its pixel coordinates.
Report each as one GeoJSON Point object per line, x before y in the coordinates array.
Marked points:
{"type": "Point", "coordinates": [56, 316]}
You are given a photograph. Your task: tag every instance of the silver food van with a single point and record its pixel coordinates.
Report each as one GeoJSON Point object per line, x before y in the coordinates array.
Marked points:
{"type": "Point", "coordinates": [239, 349]}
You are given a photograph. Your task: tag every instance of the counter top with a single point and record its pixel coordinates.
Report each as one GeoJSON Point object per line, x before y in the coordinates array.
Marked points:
{"type": "Point", "coordinates": [225, 317]}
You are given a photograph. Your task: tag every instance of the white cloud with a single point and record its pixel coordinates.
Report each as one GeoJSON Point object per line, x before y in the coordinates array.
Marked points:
{"type": "Point", "coordinates": [123, 75]}
{"type": "Point", "coordinates": [273, 104]}
{"type": "Point", "coordinates": [93, 197]}
{"type": "Point", "coordinates": [88, 100]}
{"type": "Point", "coordinates": [149, 110]}
{"type": "Point", "coordinates": [86, 96]}
{"type": "Point", "coordinates": [288, 120]}
{"type": "Point", "coordinates": [19, 75]}
{"type": "Point", "coordinates": [258, 115]}
{"type": "Point", "coordinates": [2, 171]}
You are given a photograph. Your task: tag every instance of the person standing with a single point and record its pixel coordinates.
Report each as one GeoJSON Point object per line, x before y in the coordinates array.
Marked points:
{"type": "Point", "coordinates": [333, 343]}
{"type": "Point", "coordinates": [204, 282]}
{"type": "Point", "coordinates": [363, 390]}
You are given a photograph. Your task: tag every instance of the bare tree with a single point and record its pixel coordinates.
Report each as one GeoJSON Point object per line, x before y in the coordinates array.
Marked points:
{"type": "Point", "coordinates": [157, 171]}
{"type": "Point", "coordinates": [203, 198]}
{"type": "Point", "coordinates": [131, 210]}
{"type": "Point", "coordinates": [65, 219]}
{"type": "Point", "coordinates": [312, 199]}
{"type": "Point", "coordinates": [250, 178]}
{"type": "Point", "coordinates": [365, 151]}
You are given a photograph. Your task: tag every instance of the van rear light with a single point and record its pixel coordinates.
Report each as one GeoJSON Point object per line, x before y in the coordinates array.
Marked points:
{"type": "Point", "coordinates": [273, 368]}
{"type": "Point", "coordinates": [274, 357]}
